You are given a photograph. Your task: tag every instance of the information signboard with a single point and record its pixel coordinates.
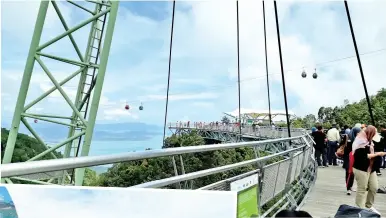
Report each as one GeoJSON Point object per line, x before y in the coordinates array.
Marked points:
{"type": "Point", "coordinates": [247, 196]}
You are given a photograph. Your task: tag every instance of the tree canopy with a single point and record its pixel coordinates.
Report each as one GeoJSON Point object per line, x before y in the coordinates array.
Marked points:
{"type": "Point", "coordinates": [137, 172]}
{"type": "Point", "coordinates": [26, 147]}
{"type": "Point", "coordinates": [348, 113]}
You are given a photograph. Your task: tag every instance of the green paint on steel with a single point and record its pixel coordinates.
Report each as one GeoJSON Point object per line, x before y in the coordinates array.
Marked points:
{"type": "Point", "coordinates": [66, 28]}
{"type": "Point", "coordinates": [75, 131]}
{"type": "Point", "coordinates": [79, 93]}
{"type": "Point", "coordinates": [53, 89]}
{"type": "Point", "coordinates": [8, 153]}
{"type": "Point", "coordinates": [79, 174]}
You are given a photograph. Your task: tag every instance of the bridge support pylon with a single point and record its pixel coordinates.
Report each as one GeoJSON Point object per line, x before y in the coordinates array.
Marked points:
{"type": "Point", "coordinates": [91, 69]}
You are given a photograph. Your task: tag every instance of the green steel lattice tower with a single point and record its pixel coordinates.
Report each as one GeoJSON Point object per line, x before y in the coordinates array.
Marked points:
{"type": "Point", "coordinates": [91, 71]}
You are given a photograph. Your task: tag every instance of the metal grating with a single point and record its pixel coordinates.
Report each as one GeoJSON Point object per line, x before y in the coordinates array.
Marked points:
{"type": "Point", "coordinates": [294, 166]}
{"type": "Point", "coordinates": [268, 188]}
{"type": "Point", "coordinates": [307, 155]}
{"type": "Point", "coordinates": [282, 176]}
{"type": "Point", "coordinates": [44, 176]}
{"type": "Point", "coordinates": [300, 161]}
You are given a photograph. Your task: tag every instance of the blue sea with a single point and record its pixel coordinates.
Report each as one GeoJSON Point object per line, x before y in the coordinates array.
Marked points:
{"type": "Point", "coordinates": [116, 147]}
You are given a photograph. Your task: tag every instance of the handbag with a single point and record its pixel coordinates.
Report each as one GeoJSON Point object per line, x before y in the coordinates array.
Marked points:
{"type": "Point", "coordinates": [340, 151]}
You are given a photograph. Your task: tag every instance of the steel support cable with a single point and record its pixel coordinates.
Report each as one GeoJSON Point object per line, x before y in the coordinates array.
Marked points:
{"type": "Point", "coordinates": [238, 63]}
{"type": "Point", "coordinates": [170, 60]}
{"type": "Point", "coordinates": [359, 63]}
{"type": "Point", "coordinates": [282, 71]}
{"type": "Point", "coordinates": [266, 66]}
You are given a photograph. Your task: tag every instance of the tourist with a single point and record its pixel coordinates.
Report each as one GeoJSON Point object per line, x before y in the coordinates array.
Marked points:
{"type": "Point", "coordinates": [383, 141]}
{"type": "Point", "coordinates": [380, 146]}
{"type": "Point", "coordinates": [364, 171]}
{"type": "Point", "coordinates": [348, 159]}
{"type": "Point", "coordinates": [347, 130]}
{"type": "Point", "coordinates": [320, 139]}
{"type": "Point", "coordinates": [358, 125]}
{"type": "Point", "coordinates": [333, 138]}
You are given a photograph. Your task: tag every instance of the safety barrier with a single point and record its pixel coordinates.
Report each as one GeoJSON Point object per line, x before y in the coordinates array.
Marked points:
{"type": "Point", "coordinates": [246, 129]}
{"type": "Point", "coordinates": [284, 182]}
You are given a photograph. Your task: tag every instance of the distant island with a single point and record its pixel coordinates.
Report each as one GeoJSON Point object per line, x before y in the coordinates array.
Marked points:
{"type": "Point", "coordinates": [135, 131]}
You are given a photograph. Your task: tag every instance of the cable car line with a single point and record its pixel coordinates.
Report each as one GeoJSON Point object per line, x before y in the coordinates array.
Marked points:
{"type": "Point", "coordinates": [169, 69]}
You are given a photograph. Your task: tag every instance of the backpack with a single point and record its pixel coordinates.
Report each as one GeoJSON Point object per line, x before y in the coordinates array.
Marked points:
{"type": "Point", "coordinates": [346, 211]}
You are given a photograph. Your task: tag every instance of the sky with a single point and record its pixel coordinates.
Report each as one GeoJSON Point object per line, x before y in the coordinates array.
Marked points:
{"type": "Point", "coordinates": [102, 202]}
{"type": "Point", "coordinates": [203, 80]}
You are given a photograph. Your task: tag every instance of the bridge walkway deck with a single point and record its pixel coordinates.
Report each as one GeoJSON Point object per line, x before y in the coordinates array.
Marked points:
{"type": "Point", "coordinates": [329, 193]}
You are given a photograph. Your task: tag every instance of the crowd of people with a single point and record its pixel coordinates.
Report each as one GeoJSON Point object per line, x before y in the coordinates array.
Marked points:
{"type": "Point", "coordinates": [362, 150]}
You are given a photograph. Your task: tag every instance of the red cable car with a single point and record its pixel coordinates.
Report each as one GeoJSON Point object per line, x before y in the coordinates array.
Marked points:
{"type": "Point", "coordinates": [127, 107]}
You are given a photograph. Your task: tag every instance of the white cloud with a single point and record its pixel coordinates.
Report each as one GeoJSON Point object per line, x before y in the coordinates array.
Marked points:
{"type": "Point", "coordinates": [103, 202]}
{"type": "Point", "coordinates": [204, 54]}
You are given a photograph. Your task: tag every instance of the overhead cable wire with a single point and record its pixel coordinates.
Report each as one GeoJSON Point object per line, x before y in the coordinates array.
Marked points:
{"type": "Point", "coordinates": [169, 69]}
{"type": "Point", "coordinates": [359, 63]}
{"type": "Point", "coordinates": [216, 87]}
{"type": "Point", "coordinates": [266, 67]}
{"type": "Point", "coordinates": [282, 71]}
{"type": "Point", "coordinates": [238, 63]}
{"type": "Point", "coordinates": [257, 77]}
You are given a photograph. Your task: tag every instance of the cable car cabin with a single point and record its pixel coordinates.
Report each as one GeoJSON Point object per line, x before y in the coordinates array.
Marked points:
{"type": "Point", "coordinates": [35, 121]}
{"type": "Point", "coordinates": [141, 108]}
{"type": "Point", "coordinates": [127, 107]}
{"type": "Point", "coordinates": [304, 74]}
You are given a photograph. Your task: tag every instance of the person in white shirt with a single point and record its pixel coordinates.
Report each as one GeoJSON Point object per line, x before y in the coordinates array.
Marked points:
{"type": "Point", "coordinates": [333, 138]}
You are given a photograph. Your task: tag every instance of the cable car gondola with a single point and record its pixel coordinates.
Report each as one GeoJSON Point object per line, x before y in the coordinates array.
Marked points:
{"type": "Point", "coordinates": [315, 75]}
{"type": "Point", "coordinates": [35, 121]}
{"type": "Point", "coordinates": [127, 107]}
{"type": "Point", "coordinates": [304, 74]}
{"type": "Point", "coordinates": [141, 107]}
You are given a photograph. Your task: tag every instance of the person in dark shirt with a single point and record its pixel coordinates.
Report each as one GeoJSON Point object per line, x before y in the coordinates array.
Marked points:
{"type": "Point", "coordinates": [346, 159]}
{"type": "Point", "coordinates": [320, 145]}
{"type": "Point", "coordinates": [364, 170]}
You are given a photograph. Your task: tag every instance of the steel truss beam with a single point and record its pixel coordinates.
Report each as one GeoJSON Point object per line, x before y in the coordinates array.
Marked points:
{"type": "Point", "coordinates": [90, 65]}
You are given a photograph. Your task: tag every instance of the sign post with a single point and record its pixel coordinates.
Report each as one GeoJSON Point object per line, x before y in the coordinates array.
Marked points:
{"type": "Point", "coordinates": [247, 196]}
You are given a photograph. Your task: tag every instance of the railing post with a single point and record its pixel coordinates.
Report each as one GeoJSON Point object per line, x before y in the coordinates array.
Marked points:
{"type": "Point", "coordinates": [289, 175]}
{"type": "Point", "coordinates": [303, 161]}
{"type": "Point", "coordinates": [178, 185]}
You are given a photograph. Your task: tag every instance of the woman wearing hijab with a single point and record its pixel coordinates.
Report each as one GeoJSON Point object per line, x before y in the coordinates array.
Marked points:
{"type": "Point", "coordinates": [363, 168]}
{"type": "Point", "coordinates": [349, 159]}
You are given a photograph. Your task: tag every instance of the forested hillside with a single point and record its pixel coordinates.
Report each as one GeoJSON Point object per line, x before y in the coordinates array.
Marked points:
{"type": "Point", "coordinates": [348, 113]}
{"type": "Point", "coordinates": [26, 147]}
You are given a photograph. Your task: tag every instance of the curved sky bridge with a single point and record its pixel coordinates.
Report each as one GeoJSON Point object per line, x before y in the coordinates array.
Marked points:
{"type": "Point", "coordinates": [231, 132]}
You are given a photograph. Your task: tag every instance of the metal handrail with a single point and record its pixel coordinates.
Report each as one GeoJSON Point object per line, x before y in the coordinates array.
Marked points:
{"type": "Point", "coordinates": [198, 174]}
{"type": "Point", "coordinates": [26, 168]}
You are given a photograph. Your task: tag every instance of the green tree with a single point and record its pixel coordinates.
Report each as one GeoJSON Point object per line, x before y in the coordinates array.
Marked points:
{"type": "Point", "coordinates": [137, 172]}
{"type": "Point", "coordinates": [356, 112]}
{"type": "Point", "coordinates": [225, 120]}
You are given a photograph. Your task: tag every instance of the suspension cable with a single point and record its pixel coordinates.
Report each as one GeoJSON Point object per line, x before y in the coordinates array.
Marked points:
{"type": "Point", "coordinates": [266, 67]}
{"type": "Point", "coordinates": [359, 63]}
{"type": "Point", "coordinates": [282, 71]}
{"type": "Point", "coordinates": [170, 60]}
{"type": "Point", "coordinates": [238, 63]}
